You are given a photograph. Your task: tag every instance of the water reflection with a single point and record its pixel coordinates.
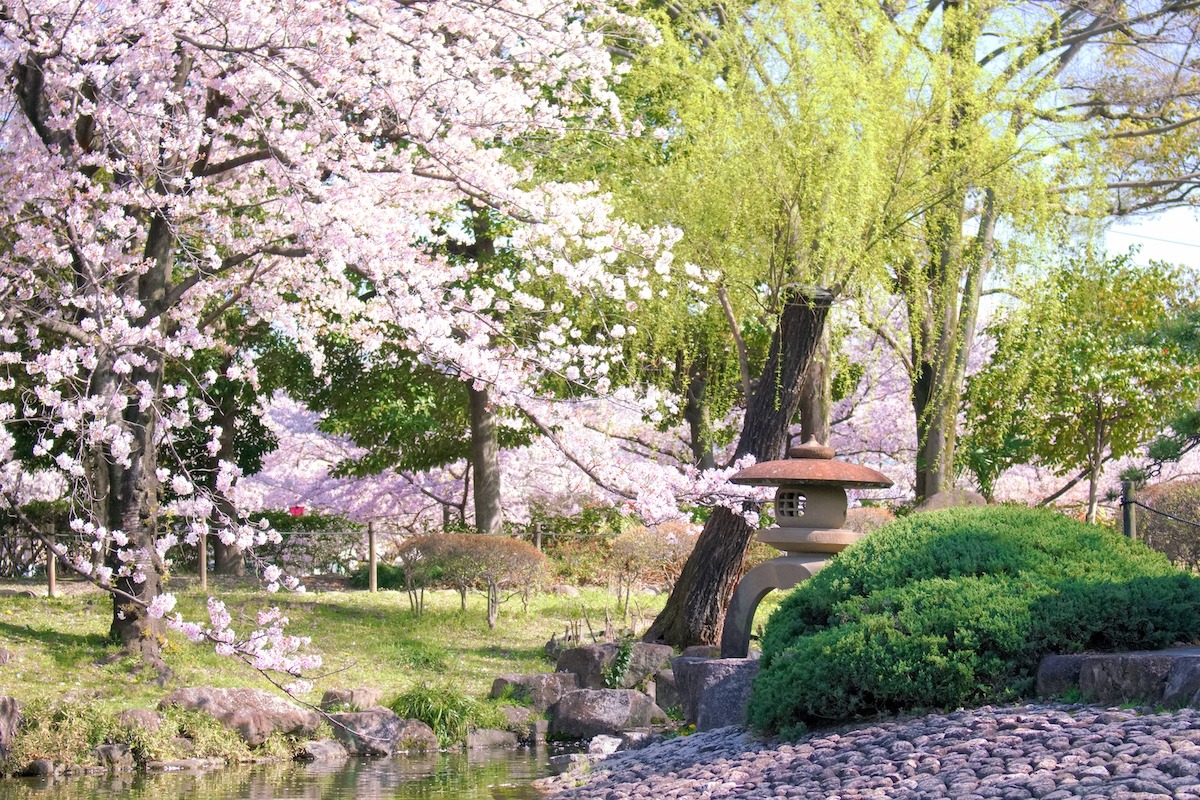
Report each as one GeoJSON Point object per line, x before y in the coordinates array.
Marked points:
{"type": "Point", "coordinates": [477, 775]}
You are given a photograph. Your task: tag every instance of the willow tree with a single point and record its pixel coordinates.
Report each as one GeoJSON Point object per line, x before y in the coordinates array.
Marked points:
{"type": "Point", "coordinates": [775, 160]}
{"type": "Point", "coordinates": [1037, 111]}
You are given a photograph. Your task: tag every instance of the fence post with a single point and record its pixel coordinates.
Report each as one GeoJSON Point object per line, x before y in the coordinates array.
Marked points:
{"type": "Point", "coordinates": [537, 536]}
{"type": "Point", "coordinates": [51, 568]}
{"type": "Point", "coordinates": [374, 574]}
{"type": "Point", "coordinates": [203, 547]}
{"type": "Point", "coordinates": [1128, 519]}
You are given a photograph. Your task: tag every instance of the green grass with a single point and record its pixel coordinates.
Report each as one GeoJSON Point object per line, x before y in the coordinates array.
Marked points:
{"type": "Point", "coordinates": [60, 645]}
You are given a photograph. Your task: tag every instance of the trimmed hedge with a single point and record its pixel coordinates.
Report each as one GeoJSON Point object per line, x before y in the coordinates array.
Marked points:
{"type": "Point", "coordinates": [958, 607]}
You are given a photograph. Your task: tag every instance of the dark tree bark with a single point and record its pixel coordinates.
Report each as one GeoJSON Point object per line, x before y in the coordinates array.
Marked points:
{"type": "Point", "coordinates": [695, 611]}
{"type": "Point", "coordinates": [816, 395]}
{"type": "Point", "coordinates": [485, 462]}
{"type": "Point", "coordinates": [695, 412]}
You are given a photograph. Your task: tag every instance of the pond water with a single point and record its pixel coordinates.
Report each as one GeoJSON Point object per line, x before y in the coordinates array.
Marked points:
{"type": "Point", "coordinates": [476, 775]}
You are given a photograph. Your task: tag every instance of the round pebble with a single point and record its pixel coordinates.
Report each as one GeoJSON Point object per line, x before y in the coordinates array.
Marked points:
{"type": "Point", "coordinates": [1045, 751]}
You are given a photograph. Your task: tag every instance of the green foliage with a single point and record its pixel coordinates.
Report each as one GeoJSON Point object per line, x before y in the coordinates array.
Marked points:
{"type": "Point", "coordinates": [67, 731]}
{"type": "Point", "coordinates": [449, 712]}
{"type": "Point", "coordinates": [1081, 374]}
{"type": "Point", "coordinates": [958, 607]}
{"type": "Point", "coordinates": [578, 545]}
{"type": "Point", "coordinates": [614, 674]}
{"type": "Point", "coordinates": [1178, 541]}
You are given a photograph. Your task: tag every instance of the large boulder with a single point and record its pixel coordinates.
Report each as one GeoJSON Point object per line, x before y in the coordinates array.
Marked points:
{"type": "Point", "coordinates": [380, 731]}
{"type": "Point", "coordinates": [537, 692]}
{"type": "Point", "coordinates": [350, 699]}
{"type": "Point", "coordinates": [645, 660]}
{"type": "Point", "coordinates": [587, 713]}
{"type": "Point", "coordinates": [714, 691]}
{"type": "Point", "coordinates": [10, 718]}
{"type": "Point", "coordinates": [254, 713]}
{"type": "Point", "coordinates": [588, 663]}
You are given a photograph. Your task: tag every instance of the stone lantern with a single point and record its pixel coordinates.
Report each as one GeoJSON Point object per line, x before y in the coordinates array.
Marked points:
{"type": "Point", "coordinates": [810, 509]}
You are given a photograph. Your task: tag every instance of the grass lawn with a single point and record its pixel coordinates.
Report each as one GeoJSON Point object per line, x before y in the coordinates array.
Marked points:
{"type": "Point", "coordinates": [59, 645]}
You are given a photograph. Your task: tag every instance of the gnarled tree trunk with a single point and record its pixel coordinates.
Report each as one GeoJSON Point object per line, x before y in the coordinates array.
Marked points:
{"type": "Point", "coordinates": [695, 611]}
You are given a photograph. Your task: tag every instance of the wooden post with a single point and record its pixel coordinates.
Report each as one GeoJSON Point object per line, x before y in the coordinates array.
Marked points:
{"type": "Point", "coordinates": [374, 573]}
{"type": "Point", "coordinates": [203, 560]}
{"type": "Point", "coordinates": [537, 536]}
{"type": "Point", "coordinates": [1127, 515]}
{"type": "Point", "coordinates": [51, 569]}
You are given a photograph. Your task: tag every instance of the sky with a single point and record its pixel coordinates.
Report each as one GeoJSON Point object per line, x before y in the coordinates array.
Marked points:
{"type": "Point", "coordinates": [1173, 236]}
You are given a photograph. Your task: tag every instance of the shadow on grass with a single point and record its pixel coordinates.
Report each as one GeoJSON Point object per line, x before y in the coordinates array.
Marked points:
{"type": "Point", "coordinates": [66, 649]}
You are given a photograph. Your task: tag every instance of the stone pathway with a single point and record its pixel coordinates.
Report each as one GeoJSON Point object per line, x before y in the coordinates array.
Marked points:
{"type": "Point", "coordinates": [1043, 751]}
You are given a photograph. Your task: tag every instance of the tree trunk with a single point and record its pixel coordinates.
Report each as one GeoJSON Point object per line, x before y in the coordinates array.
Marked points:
{"type": "Point", "coordinates": [816, 395]}
{"type": "Point", "coordinates": [228, 559]}
{"type": "Point", "coordinates": [485, 461]}
{"type": "Point", "coordinates": [695, 611]}
{"type": "Point", "coordinates": [133, 510]}
{"type": "Point", "coordinates": [695, 412]}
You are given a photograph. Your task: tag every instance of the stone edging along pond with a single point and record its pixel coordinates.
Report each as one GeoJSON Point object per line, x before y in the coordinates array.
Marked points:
{"type": "Point", "coordinates": [584, 699]}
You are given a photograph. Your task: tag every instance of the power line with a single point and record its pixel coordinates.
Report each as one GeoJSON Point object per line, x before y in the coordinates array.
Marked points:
{"type": "Point", "coordinates": [1153, 238]}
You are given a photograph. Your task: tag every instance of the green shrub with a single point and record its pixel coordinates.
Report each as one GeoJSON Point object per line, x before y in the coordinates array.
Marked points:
{"type": "Point", "coordinates": [957, 607]}
{"type": "Point", "coordinates": [448, 711]}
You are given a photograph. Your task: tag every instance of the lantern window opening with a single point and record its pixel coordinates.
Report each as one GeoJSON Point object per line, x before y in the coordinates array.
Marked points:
{"type": "Point", "coordinates": [789, 504]}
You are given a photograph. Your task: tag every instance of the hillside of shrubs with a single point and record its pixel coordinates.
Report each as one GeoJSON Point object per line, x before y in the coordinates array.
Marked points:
{"type": "Point", "coordinates": [956, 608]}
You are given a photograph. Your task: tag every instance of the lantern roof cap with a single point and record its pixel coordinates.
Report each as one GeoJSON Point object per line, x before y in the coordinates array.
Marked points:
{"type": "Point", "coordinates": [811, 463]}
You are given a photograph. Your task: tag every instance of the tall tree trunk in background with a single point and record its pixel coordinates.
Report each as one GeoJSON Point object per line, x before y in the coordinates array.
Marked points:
{"type": "Point", "coordinates": [228, 559]}
{"type": "Point", "coordinates": [695, 611]}
{"type": "Point", "coordinates": [485, 461]}
{"type": "Point", "coordinates": [695, 412]}
{"type": "Point", "coordinates": [816, 394]}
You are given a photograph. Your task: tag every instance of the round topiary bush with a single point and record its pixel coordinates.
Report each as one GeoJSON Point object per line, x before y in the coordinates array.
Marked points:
{"type": "Point", "coordinates": [957, 607]}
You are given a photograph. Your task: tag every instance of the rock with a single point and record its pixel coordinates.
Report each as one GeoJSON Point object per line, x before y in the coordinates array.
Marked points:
{"type": "Point", "coordinates": [39, 768]}
{"type": "Point", "coordinates": [666, 693]}
{"type": "Point", "coordinates": [538, 692]}
{"type": "Point", "coordinates": [146, 719]}
{"type": "Point", "coordinates": [644, 660]}
{"type": "Point", "coordinates": [487, 739]}
{"type": "Point", "coordinates": [636, 740]}
{"type": "Point", "coordinates": [1056, 675]}
{"type": "Point", "coordinates": [702, 651]}
{"type": "Point", "coordinates": [115, 756]}
{"type": "Point", "coordinates": [254, 713]}
{"type": "Point", "coordinates": [350, 699]}
{"type": "Point", "coordinates": [603, 745]}
{"type": "Point", "coordinates": [714, 692]}
{"type": "Point", "coordinates": [10, 718]}
{"type": "Point", "coordinates": [569, 763]}
{"type": "Point", "coordinates": [1113, 679]}
{"type": "Point", "coordinates": [588, 663]}
{"type": "Point", "coordinates": [381, 732]}
{"type": "Point", "coordinates": [1183, 683]}
{"type": "Point", "coordinates": [5, 656]}
{"type": "Point", "coordinates": [951, 498]}
{"type": "Point", "coordinates": [563, 590]}
{"type": "Point", "coordinates": [586, 713]}
{"type": "Point", "coordinates": [322, 750]}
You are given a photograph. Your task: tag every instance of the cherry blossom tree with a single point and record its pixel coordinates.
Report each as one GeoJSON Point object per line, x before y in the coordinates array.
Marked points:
{"type": "Point", "coordinates": [165, 163]}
